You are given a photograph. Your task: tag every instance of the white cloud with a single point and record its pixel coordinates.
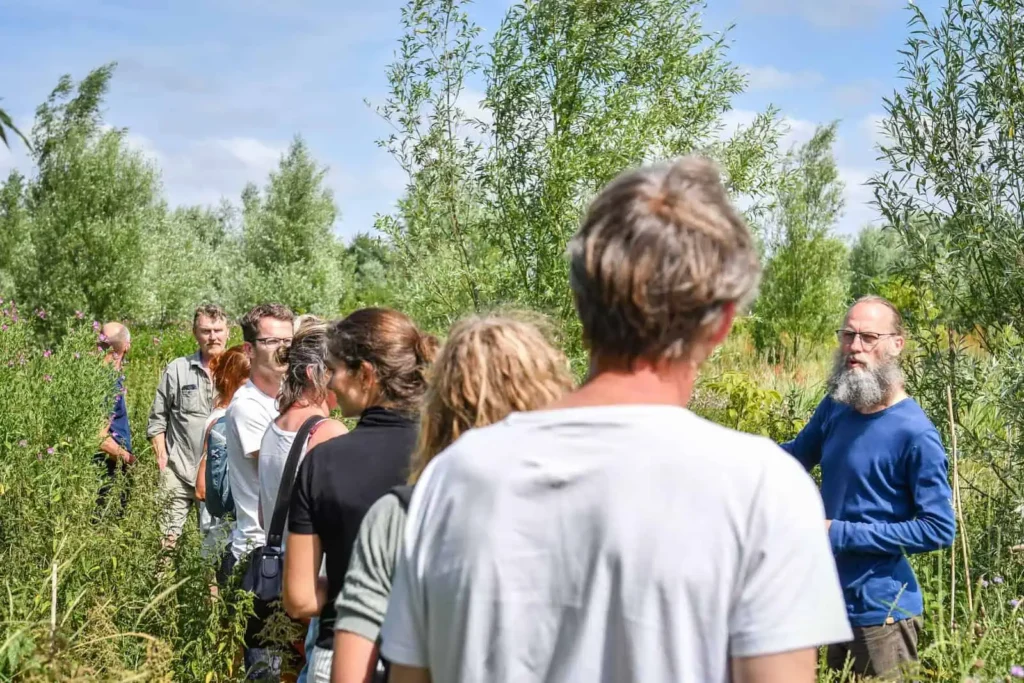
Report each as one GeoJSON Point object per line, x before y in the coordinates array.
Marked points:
{"type": "Point", "coordinates": [824, 13]}
{"type": "Point", "coordinates": [858, 93]}
{"type": "Point", "coordinates": [772, 78]}
{"type": "Point", "coordinates": [794, 131]}
{"type": "Point", "coordinates": [871, 128]}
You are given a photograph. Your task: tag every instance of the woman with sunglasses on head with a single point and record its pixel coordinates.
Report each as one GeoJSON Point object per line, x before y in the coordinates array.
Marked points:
{"type": "Point", "coordinates": [377, 365]}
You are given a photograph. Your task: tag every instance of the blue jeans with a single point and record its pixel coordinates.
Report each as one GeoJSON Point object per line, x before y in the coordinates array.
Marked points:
{"type": "Point", "coordinates": [314, 628]}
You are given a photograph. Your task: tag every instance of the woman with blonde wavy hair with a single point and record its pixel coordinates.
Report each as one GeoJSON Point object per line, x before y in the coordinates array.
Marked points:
{"type": "Point", "coordinates": [489, 367]}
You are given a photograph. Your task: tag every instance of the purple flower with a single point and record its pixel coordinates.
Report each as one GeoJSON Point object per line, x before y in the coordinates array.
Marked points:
{"type": "Point", "coordinates": [23, 443]}
{"type": "Point", "coordinates": [103, 337]}
{"type": "Point", "coordinates": [984, 583]}
{"type": "Point", "coordinates": [3, 328]}
{"type": "Point", "coordinates": [1017, 671]}
{"type": "Point", "coordinates": [96, 325]}
{"type": "Point", "coordinates": [50, 451]}
{"type": "Point", "coordinates": [41, 313]}
{"type": "Point", "coordinates": [1014, 603]}
{"type": "Point", "coordinates": [47, 353]}
{"type": "Point", "coordinates": [47, 378]}
{"type": "Point", "coordinates": [997, 580]}
{"type": "Point", "coordinates": [79, 315]}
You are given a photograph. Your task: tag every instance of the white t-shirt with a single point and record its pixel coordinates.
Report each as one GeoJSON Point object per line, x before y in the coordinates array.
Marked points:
{"type": "Point", "coordinates": [613, 544]}
{"type": "Point", "coordinates": [274, 450]}
{"type": "Point", "coordinates": [248, 416]}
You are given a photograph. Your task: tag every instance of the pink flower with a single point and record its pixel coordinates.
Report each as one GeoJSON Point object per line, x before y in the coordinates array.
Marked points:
{"type": "Point", "coordinates": [1017, 671]}
{"type": "Point", "coordinates": [156, 340]}
{"type": "Point", "coordinates": [3, 328]}
{"type": "Point", "coordinates": [103, 337]}
{"type": "Point", "coordinates": [96, 325]}
{"type": "Point", "coordinates": [79, 315]}
{"type": "Point", "coordinates": [47, 353]}
{"type": "Point", "coordinates": [77, 356]}
{"type": "Point", "coordinates": [41, 313]}
{"type": "Point", "coordinates": [50, 451]}
{"type": "Point", "coordinates": [47, 378]}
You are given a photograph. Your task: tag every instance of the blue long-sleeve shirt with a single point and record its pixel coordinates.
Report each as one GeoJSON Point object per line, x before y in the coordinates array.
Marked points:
{"type": "Point", "coordinates": [884, 485]}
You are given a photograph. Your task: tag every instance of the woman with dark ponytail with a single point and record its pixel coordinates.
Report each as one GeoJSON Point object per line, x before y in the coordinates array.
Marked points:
{"type": "Point", "coordinates": [377, 365]}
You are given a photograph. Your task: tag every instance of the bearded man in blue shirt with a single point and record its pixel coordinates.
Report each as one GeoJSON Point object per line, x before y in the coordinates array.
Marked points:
{"type": "Point", "coordinates": [885, 487]}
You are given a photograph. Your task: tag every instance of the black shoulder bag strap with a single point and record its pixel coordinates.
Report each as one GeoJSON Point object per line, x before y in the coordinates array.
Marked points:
{"type": "Point", "coordinates": [284, 492]}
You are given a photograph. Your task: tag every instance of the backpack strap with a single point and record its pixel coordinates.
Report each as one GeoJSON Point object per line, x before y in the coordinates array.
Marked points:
{"type": "Point", "coordinates": [284, 492]}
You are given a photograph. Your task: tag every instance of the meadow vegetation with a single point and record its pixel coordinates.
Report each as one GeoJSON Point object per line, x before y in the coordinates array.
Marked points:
{"type": "Point", "coordinates": [575, 92]}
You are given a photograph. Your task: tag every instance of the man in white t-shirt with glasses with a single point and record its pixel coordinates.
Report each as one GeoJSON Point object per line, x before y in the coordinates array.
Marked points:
{"type": "Point", "coordinates": [616, 537]}
{"type": "Point", "coordinates": [265, 329]}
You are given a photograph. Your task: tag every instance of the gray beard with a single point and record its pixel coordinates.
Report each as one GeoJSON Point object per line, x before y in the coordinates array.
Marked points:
{"type": "Point", "coordinates": [865, 388]}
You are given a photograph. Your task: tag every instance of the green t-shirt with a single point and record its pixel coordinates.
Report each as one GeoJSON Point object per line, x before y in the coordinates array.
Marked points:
{"type": "Point", "coordinates": [363, 599]}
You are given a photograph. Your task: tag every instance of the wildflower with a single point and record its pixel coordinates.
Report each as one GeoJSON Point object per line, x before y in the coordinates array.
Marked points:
{"type": "Point", "coordinates": [50, 451]}
{"type": "Point", "coordinates": [984, 583]}
{"type": "Point", "coordinates": [156, 341]}
{"type": "Point", "coordinates": [47, 378]}
{"type": "Point", "coordinates": [997, 580]}
{"type": "Point", "coordinates": [41, 313]}
{"type": "Point", "coordinates": [23, 443]}
{"type": "Point", "coordinates": [103, 337]}
{"type": "Point", "coordinates": [79, 315]}
{"type": "Point", "coordinates": [95, 325]}
{"type": "Point", "coordinates": [1017, 671]}
{"type": "Point", "coordinates": [1014, 603]}
{"type": "Point", "coordinates": [77, 355]}
{"type": "Point", "coordinates": [3, 328]}
{"type": "Point", "coordinates": [47, 353]}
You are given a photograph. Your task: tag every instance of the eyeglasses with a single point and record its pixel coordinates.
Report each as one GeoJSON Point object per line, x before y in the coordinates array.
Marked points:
{"type": "Point", "coordinates": [274, 342]}
{"type": "Point", "coordinates": [869, 339]}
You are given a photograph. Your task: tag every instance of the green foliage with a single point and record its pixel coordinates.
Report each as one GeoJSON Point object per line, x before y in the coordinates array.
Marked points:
{"type": "Point", "coordinates": [90, 204]}
{"type": "Point", "coordinates": [7, 124]}
{"type": "Point", "coordinates": [290, 252]}
{"type": "Point", "coordinates": [874, 260]}
{"type": "Point", "coordinates": [122, 607]}
{"type": "Point", "coordinates": [442, 248]}
{"type": "Point", "coordinates": [805, 282]}
{"type": "Point", "coordinates": [738, 402]}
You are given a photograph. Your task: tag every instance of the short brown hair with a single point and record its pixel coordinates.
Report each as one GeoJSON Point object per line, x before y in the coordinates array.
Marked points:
{"type": "Point", "coordinates": [399, 353]}
{"type": "Point", "coordinates": [658, 254]}
{"type": "Point", "coordinates": [212, 311]}
{"type": "Point", "coordinates": [250, 322]}
{"type": "Point", "coordinates": [488, 367]}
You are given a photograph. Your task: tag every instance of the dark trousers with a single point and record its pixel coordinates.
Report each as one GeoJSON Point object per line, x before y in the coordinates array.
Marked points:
{"type": "Point", "coordinates": [108, 469]}
{"type": "Point", "coordinates": [882, 651]}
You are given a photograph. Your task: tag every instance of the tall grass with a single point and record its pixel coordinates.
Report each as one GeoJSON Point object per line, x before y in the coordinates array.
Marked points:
{"type": "Point", "coordinates": [126, 611]}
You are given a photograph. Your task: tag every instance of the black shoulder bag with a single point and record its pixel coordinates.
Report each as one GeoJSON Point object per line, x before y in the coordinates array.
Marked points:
{"type": "Point", "coordinates": [265, 574]}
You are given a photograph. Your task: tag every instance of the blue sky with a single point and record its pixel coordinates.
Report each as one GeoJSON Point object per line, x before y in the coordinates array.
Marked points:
{"type": "Point", "coordinates": [214, 90]}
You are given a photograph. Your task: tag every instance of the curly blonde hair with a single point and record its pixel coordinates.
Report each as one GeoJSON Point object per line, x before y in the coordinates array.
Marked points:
{"type": "Point", "coordinates": [489, 366]}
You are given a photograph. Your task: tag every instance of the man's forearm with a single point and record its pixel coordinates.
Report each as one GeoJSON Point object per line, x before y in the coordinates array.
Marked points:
{"type": "Point", "coordinates": [159, 442]}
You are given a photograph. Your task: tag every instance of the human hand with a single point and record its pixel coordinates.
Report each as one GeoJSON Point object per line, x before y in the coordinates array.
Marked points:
{"type": "Point", "coordinates": [828, 524]}
{"type": "Point", "coordinates": [161, 461]}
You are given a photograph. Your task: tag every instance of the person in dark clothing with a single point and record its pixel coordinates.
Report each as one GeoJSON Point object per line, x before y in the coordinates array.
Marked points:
{"type": "Point", "coordinates": [378, 361]}
{"type": "Point", "coordinates": [116, 436]}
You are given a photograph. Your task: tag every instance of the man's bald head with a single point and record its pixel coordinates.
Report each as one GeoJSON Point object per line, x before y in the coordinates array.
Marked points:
{"type": "Point", "coordinates": [116, 337]}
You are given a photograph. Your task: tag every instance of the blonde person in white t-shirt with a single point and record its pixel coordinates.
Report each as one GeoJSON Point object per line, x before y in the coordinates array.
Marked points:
{"type": "Point", "coordinates": [615, 536]}
{"type": "Point", "coordinates": [489, 366]}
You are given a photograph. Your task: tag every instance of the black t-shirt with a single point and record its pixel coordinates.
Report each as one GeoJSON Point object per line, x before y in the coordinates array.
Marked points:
{"type": "Point", "coordinates": [337, 483]}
